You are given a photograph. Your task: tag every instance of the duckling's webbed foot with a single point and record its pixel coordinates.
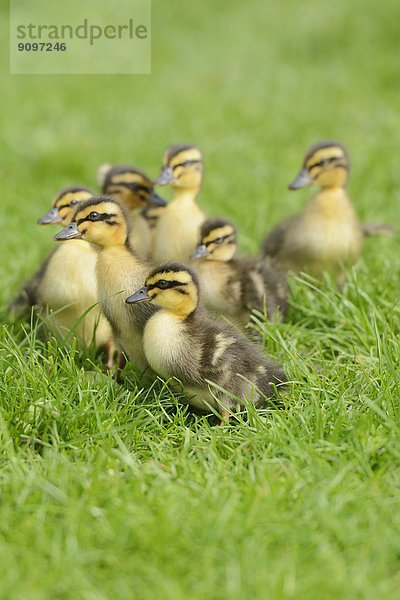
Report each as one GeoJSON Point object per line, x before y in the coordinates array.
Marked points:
{"type": "Point", "coordinates": [115, 370]}
{"type": "Point", "coordinates": [225, 416]}
{"type": "Point", "coordinates": [110, 349]}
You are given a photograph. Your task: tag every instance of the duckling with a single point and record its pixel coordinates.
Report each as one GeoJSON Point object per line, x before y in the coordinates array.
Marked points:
{"type": "Point", "coordinates": [327, 234]}
{"type": "Point", "coordinates": [65, 285]}
{"type": "Point", "coordinates": [178, 227]}
{"type": "Point", "coordinates": [64, 205]}
{"type": "Point", "coordinates": [106, 223]}
{"type": "Point", "coordinates": [183, 340]}
{"type": "Point", "coordinates": [134, 189]}
{"type": "Point", "coordinates": [233, 284]}
{"type": "Point", "coordinates": [64, 199]}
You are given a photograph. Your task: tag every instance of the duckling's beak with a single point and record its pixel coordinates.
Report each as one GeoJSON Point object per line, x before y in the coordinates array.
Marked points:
{"type": "Point", "coordinates": [69, 232]}
{"type": "Point", "coordinates": [303, 179]}
{"type": "Point", "coordinates": [165, 177]}
{"type": "Point", "coordinates": [139, 296]}
{"type": "Point", "coordinates": [201, 252]}
{"type": "Point", "coordinates": [52, 216]}
{"type": "Point", "coordinates": [156, 200]}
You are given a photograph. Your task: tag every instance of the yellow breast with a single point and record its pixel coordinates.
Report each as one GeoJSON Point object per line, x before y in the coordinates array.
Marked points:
{"type": "Point", "coordinates": [69, 288]}
{"type": "Point", "coordinates": [327, 235]}
{"type": "Point", "coordinates": [169, 353]}
{"type": "Point", "coordinates": [162, 339]}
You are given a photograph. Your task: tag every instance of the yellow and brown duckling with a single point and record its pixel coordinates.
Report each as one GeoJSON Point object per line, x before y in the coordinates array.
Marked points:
{"type": "Point", "coordinates": [184, 341]}
{"type": "Point", "coordinates": [236, 285]}
{"type": "Point", "coordinates": [120, 270]}
{"type": "Point", "coordinates": [327, 234]}
{"type": "Point", "coordinates": [134, 189]}
{"type": "Point", "coordinates": [178, 226]}
{"type": "Point", "coordinates": [65, 285]}
{"type": "Point", "coordinates": [64, 205]}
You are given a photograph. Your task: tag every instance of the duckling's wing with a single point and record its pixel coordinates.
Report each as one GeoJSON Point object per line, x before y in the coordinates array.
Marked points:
{"type": "Point", "coordinates": [217, 341]}
{"type": "Point", "coordinates": [229, 360]}
{"type": "Point", "coordinates": [252, 285]}
{"type": "Point", "coordinates": [275, 290]}
{"type": "Point", "coordinates": [240, 367]}
{"type": "Point", "coordinates": [29, 294]}
{"type": "Point", "coordinates": [22, 302]}
{"type": "Point", "coordinates": [274, 376]}
{"type": "Point", "coordinates": [263, 283]}
{"type": "Point", "coordinates": [274, 242]}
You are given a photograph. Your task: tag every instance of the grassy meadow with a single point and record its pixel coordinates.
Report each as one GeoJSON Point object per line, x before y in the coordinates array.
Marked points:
{"type": "Point", "coordinates": [111, 491]}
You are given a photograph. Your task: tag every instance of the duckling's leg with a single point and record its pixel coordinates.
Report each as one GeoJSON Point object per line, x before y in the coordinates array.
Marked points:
{"type": "Point", "coordinates": [225, 416]}
{"type": "Point", "coordinates": [110, 349]}
{"type": "Point", "coordinates": [121, 362]}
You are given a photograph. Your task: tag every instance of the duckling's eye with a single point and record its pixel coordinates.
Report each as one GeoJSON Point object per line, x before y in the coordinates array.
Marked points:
{"type": "Point", "coordinates": [162, 284]}
{"type": "Point", "coordinates": [93, 216]}
{"type": "Point", "coordinates": [323, 161]}
{"type": "Point", "coordinates": [218, 240]}
{"type": "Point", "coordinates": [73, 202]}
{"type": "Point", "coordinates": [185, 163]}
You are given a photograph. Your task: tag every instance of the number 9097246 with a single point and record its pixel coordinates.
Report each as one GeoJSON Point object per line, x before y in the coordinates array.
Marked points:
{"type": "Point", "coordinates": [42, 47]}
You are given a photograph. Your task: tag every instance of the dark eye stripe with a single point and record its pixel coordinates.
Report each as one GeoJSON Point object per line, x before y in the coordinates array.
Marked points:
{"type": "Point", "coordinates": [102, 217]}
{"type": "Point", "coordinates": [137, 187]}
{"type": "Point", "coordinates": [131, 185]}
{"type": "Point", "coordinates": [63, 206]}
{"type": "Point", "coordinates": [223, 238]}
{"type": "Point", "coordinates": [171, 284]}
{"type": "Point", "coordinates": [185, 163]}
{"type": "Point", "coordinates": [324, 161]}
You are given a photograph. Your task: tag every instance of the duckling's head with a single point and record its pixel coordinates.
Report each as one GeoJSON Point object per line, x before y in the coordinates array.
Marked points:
{"type": "Point", "coordinates": [325, 163]}
{"type": "Point", "coordinates": [173, 286]}
{"type": "Point", "coordinates": [65, 204]}
{"type": "Point", "coordinates": [129, 185]}
{"type": "Point", "coordinates": [101, 220]}
{"type": "Point", "coordinates": [217, 241]}
{"type": "Point", "coordinates": [182, 167]}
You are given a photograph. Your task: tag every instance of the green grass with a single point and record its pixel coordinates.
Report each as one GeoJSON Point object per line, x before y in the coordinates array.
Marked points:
{"type": "Point", "coordinates": [111, 491]}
